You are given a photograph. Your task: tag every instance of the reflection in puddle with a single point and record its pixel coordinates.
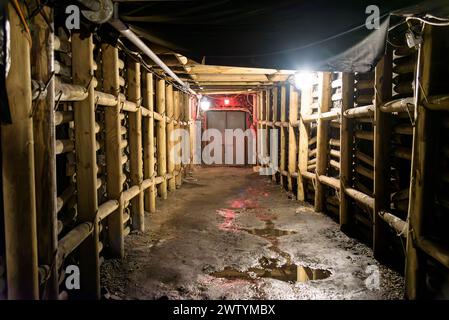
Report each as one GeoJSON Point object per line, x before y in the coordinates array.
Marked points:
{"type": "Point", "coordinates": [269, 231]}
{"type": "Point", "coordinates": [289, 273]}
{"type": "Point", "coordinates": [269, 268]}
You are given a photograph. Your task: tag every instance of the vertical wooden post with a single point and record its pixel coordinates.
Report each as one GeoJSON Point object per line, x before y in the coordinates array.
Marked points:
{"type": "Point", "coordinates": [113, 138]}
{"type": "Point", "coordinates": [382, 120]}
{"type": "Point", "coordinates": [161, 146]}
{"type": "Point", "coordinates": [259, 128]}
{"type": "Point", "coordinates": [135, 144]}
{"type": "Point", "coordinates": [177, 114]}
{"type": "Point", "coordinates": [44, 151]}
{"type": "Point", "coordinates": [414, 273]}
{"type": "Point", "coordinates": [18, 171]}
{"type": "Point", "coordinates": [346, 153]}
{"type": "Point", "coordinates": [292, 141]}
{"type": "Point", "coordinates": [322, 139]}
{"type": "Point", "coordinates": [86, 161]}
{"type": "Point", "coordinates": [148, 144]}
{"type": "Point", "coordinates": [266, 127]}
{"type": "Point", "coordinates": [274, 119]}
{"type": "Point", "coordinates": [303, 153]}
{"type": "Point", "coordinates": [283, 133]}
{"type": "Point", "coordinates": [170, 143]}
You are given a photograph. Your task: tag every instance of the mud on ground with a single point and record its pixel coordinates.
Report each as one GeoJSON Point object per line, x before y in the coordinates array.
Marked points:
{"type": "Point", "coordinates": [229, 233]}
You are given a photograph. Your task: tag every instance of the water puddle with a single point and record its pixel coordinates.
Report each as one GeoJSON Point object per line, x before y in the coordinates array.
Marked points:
{"type": "Point", "coordinates": [290, 273]}
{"type": "Point", "coordinates": [269, 231]}
{"type": "Point", "coordinates": [269, 267]}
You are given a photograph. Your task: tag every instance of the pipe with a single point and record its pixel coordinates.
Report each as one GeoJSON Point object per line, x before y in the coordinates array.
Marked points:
{"type": "Point", "coordinates": [131, 36]}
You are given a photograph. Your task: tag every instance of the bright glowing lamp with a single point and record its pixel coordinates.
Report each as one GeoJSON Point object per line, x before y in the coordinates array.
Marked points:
{"type": "Point", "coordinates": [226, 102]}
{"type": "Point", "coordinates": [303, 80]}
{"type": "Point", "coordinates": [204, 104]}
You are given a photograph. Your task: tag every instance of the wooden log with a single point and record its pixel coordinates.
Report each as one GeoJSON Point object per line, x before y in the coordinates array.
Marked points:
{"type": "Point", "coordinates": [86, 175]}
{"type": "Point", "coordinates": [364, 135]}
{"type": "Point", "coordinates": [69, 92]}
{"type": "Point", "coordinates": [437, 251]}
{"type": "Point", "coordinates": [365, 172]}
{"type": "Point", "coordinates": [283, 133]}
{"type": "Point", "coordinates": [420, 185]}
{"type": "Point", "coordinates": [437, 103]}
{"type": "Point", "coordinates": [169, 142]}
{"type": "Point", "coordinates": [335, 153]}
{"type": "Point", "coordinates": [161, 137]}
{"type": "Point", "coordinates": [381, 173]}
{"type": "Point", "coordinates": [364, 157]}
{"type": "Point", "coordinates": [135, 144]}
{"type": "Point", "coordinates": [312, 140]}
{"type": "Point", "coordinates": [292, 139]}
{"type": "Point", "coordinates": [107, 208]}
{"type": "Point", "coordinates": [63, 146]}
{"type": "Point", "coordinates": [326, 116]}
{"type": "Point", "coordinates": [398, 225]}
{"type": "Point", "coordinates": [335, 164]}
{"type": "Point", "coordinates": [177, 157]}
{"type": "Point", "coordinates": [44, 149]}
{"type": "Point", "coordinates": [74, 239]}
{"type": "Point", "coordinates": [304, 141]}
{"type": "Point", "coordinates": [399, 105]}
{"type": "Point", "coordinates": [68, 193]}
{"type": "Point", "coordinates": [331, 182]}
{"type": "Point", "coordinates": [334, 142]}
{"type": "Point", "coordinates": [18, 178]}
{"type": "Point", "coordinates": [346, 129]}
{"type": "Point", "coordinates": [131, 193]}
{"type": "Point", "coordinates": [322, 139]}
{"type": "Point", "coordinates": [364, 84]}
{"type": "Point", "coordinates": [62, 69]}
{"type": "Point", "coordinates": [113, 146]}
{"type": "Point", "coordinates": [359, 112]}
{"type": "Point", "coordinates": [275, 107]}
{"type": "Point", "coordinates": [61, 117]}
{"type": "Point", "coordinates": [148, 144]}
{"type": "Point", "coordinates": [360, 197]}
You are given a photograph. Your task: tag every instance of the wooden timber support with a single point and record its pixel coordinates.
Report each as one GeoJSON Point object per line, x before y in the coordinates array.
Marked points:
{"type": "Point", "coordinates": [44, 151]}
{"type": "Point", "coordinates": [346, 151]}
{"type": "Point", "coordinates": [161, 145]}
{"type": "Point", "coordinates": [292, 136]}
{"type": "Point", "coordinates": [322, 139]}
{"type": "Point", "coordinates": [414, 271]}
{"type": "Point", "coordinates": [169, 104]}
{"type": "Point", "coordinates": [283, 133]}
{"type": "Point", "coordinates": [135, 144]}
{"type": "Point", "coordinates": [273, 119]}
{"type": "Point", "coordinates": [18, 172]}
{"type": "Point", "coordinates": [304, 141]}
{"type": "Point", "coordinates": [86, 159]}
{"type": "Point", "coordinates": [148, 143]}
{"type": "Point", "coordinates": [114, 183]}
{"type": "Point", "coordinates": [382, 129]}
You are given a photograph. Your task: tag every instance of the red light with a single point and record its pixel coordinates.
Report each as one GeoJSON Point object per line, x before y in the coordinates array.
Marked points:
{"type": "Point", "coordinates": [226, 102]}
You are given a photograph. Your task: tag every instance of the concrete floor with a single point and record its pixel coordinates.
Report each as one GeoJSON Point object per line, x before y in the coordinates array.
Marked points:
{"type": "Point", "coordinates": [222, 234]}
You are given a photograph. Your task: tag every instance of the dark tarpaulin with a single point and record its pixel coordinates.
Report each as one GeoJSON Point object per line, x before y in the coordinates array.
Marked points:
{"type": "Point", "coordinates": [284, 34]}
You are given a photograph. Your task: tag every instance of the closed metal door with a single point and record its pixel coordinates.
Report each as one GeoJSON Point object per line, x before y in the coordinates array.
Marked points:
{"type": "Point", "coordinates": [224, 121]}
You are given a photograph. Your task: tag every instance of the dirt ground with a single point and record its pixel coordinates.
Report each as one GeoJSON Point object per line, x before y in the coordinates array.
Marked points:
{"type": "Point", "coordinates": [229, 233]}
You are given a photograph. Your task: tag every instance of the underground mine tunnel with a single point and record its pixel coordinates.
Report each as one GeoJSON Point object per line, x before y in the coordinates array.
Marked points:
{"type": "Point", "coordinates": [224, 150]}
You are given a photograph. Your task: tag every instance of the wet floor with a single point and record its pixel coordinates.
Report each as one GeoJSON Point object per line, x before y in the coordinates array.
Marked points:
{"type": "Point", "coordinates": [229, 233]}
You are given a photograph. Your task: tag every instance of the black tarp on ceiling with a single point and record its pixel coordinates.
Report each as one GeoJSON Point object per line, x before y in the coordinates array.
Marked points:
{"type": "Point", "coordinates": [282, 34]}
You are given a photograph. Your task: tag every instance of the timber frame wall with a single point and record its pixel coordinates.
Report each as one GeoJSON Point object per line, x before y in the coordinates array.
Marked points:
{"type": "Point", "coordinates": [101, 124]}
{"type": "Point", "coordinates": [359, 146]}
